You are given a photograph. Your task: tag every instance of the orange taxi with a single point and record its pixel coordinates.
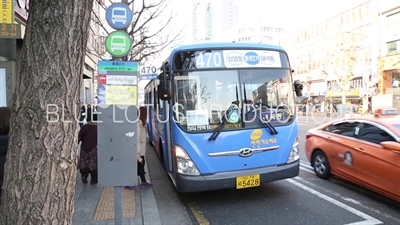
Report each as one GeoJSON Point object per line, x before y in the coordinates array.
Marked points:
{"type": "Point", "coordinates": [363, 150]}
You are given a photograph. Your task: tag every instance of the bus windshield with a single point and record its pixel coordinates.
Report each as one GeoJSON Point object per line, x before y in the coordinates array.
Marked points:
{"type": "Point", "coordinates": [202, 98]}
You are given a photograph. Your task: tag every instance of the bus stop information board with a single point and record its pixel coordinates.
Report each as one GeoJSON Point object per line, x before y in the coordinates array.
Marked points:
{"type": "Point", "coordinates": [117, 82]}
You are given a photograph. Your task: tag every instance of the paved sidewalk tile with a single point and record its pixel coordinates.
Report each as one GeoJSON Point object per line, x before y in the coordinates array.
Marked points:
{"type": "Point", "coordinates": [87, 197]}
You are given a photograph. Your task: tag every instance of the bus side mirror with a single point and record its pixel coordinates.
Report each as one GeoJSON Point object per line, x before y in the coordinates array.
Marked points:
{"type": "Point", "coordinates": [163, 90]}
{"type": "Point", "coordinates": [298, 88]}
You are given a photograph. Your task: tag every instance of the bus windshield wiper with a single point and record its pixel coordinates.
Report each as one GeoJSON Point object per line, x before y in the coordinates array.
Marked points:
{"type": "Point", "coordinates": [268, 124]}
{"type": "Point", "coordinates": [234, 104]}
{"type": "Point", "coordinates": [263, 120]}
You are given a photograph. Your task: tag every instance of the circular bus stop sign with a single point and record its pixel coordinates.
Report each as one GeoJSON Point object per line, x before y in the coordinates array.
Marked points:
{"type": "Point", "coordinates": [119, 16]}
{"type": "Point", "coordinates": [118, 44]}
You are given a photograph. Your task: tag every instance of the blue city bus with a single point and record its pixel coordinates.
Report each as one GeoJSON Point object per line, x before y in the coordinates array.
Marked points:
{"type": "Point", "coordinates": [223, 115]}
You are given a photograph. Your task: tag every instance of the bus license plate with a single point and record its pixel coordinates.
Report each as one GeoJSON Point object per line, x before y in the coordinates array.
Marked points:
{"type": "Point", "coordinates": [248, 181]}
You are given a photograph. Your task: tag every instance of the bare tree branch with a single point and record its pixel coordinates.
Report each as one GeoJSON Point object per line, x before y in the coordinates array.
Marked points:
{"type": "Point", "coordinates": [157, 12]}
{"type": "Point", "coordinates": [146, 41]}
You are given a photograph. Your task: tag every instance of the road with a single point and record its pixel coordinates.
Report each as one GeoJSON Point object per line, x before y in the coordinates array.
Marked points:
{"type": "Point", "coordinates": [305, 199]}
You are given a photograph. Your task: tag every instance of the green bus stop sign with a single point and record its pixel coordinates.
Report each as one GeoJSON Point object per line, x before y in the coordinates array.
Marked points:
{"type": "Point", "coordinates": [118, 44]}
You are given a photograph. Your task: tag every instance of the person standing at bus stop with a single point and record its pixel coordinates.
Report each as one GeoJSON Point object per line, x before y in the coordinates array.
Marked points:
{"type": "Point", "coordinates": [141, 149]}
{"type": "Point", "coordinates": [88, 154]}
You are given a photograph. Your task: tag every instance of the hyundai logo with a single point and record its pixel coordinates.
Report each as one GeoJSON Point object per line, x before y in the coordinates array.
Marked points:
{"type": "Point", "coordinates": [245, 152]}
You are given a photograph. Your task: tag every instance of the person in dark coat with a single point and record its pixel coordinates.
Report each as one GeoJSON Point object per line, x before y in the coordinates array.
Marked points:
{"type": "Point", "coordinates": [5, 115]}
{"type": "Point", "coordinates": [88, 154]}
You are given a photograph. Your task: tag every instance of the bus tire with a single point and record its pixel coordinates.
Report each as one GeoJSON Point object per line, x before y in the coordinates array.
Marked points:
{"type": "Point", "coordinates": [321, 165]}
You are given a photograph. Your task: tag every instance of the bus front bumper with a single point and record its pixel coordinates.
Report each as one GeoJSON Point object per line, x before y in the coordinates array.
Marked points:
{"type": "Point", "coordinates": [227, 180]}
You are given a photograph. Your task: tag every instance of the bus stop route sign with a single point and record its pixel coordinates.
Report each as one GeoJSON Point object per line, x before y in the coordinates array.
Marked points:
{"type": "Point", "coordinates": [119, 16]}
{"type": "Point", "coordinates": [118, 44]}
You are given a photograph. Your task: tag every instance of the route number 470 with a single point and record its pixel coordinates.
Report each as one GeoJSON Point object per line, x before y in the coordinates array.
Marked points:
{"type": "Point", "coordinates": [148, 69]}
{"type": "Point", "coordinates": [209, 60]}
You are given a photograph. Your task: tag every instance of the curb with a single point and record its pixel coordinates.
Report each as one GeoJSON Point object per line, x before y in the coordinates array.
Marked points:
{"type": "Point", "coordinates": [150, 214]}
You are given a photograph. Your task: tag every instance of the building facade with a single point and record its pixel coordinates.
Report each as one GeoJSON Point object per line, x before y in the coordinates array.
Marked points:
{"type": "Point", "coordinates": [10, 53]}
{"type": "Point", "coordinates": [389, 61]}
{"type": "Point", "coordinates": [11, 44]}
{"type": "Point", "coordinates": [202, 18]}
{"type": "Point", "coordinates": [211, 20]}
{"type": "Point", "coordinates": [94, 49]}
{"type": "Point", "coordinates": [338, 55]}
{"type": "Point", "coordinates": [260, 32]}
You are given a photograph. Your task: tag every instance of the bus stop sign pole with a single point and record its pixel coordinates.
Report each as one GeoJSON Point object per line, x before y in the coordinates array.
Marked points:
{"type": "Point", "coordinates": [117, 148]}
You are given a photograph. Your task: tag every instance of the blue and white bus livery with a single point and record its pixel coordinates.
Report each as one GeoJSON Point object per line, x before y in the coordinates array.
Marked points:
{"type": "Point", "coordinates": [223, 116]}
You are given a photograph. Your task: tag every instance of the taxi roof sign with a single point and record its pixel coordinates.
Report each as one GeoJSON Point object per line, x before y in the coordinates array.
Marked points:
{"type": "Point", "coordinates": [386, 112]}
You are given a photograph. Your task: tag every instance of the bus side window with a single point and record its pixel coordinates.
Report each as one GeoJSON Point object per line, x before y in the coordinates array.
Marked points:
{"type": "Point", "coordinates": [155, 98]}
{"type": "Point", "coordinates": [158, 103]}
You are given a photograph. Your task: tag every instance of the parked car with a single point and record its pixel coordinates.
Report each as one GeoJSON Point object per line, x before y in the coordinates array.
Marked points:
{"type": "Point", "coordinates": [363, 150]}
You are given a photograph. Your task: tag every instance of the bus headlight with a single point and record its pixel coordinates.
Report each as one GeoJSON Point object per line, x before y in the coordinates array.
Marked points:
{"type": "Point", "coordinates": [184, 164]}
{"type": "Point", "coordinates": [295, 153]}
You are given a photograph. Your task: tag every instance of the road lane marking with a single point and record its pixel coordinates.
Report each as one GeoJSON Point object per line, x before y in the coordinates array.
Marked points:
{"type": "Point", "coordinates": [305, 124]}
{"type": "Point", "coordinates": [368, 220]}
{"type": "Point", "coordinates": [201, 219]}
{"type": "Point", "coordinates": [307, 170]}
{"type": "Point", "coordinates": [353, 201]}
{"type": "Point", "coordinates": [306, 165]}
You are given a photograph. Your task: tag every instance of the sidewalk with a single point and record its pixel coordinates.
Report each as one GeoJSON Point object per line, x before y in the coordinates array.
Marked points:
{"type": "Point", "coordinates": [95, 205]}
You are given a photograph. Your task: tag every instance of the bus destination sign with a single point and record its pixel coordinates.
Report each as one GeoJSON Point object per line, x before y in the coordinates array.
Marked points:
{"type": "Point", "coordinates": [237, 59]}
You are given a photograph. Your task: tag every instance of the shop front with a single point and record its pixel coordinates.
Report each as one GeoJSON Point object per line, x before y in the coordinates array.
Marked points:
{"type": "Point", "coordinates": [12, 24]}
{"type": "Point", "coordinates": [389, 75]}
{"type": "Point", "coordinates": [351, 96]}
{"type": "Point", "coordinates": [12, 31]}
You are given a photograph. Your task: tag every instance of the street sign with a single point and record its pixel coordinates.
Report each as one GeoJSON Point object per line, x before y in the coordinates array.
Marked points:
{"type": "Point", "coordinates": [6, 11]}
{"type": "Point", "coordinates": [148, 69]}
{"type": "Point", "coordinates": [117, 82]}
{"type": "Point", "coordinates": [148, 72]}
{"type": "Point", "coordinates": [119, 16]}
{"type": "Point", "coordinates": [10, 30]}
{"type": "Point", "coordinates": [118, 44]}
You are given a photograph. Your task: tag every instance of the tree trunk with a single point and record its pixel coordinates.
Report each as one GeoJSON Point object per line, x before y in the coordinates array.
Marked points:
{"type": "Point", "coordinates": [40, 176]}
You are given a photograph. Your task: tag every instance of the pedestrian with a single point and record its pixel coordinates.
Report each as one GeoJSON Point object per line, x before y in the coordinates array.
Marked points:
{"type": "Point", "coordinates": [5, 116]}
{"type": "Point", "coordinates": [141, 149]}
{"type": "Point", "coordinates": [82, 114]}
{"type": "Point", "coordinates": [88, 153]}
{"type": "Point", "coordinates": [89, 112]}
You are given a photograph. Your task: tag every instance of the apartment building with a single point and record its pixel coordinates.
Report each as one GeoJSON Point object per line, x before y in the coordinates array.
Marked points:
{"type": "Point", "coordinates": [343, 47]}
{"type": "Point", "coordinates": [389, 61]}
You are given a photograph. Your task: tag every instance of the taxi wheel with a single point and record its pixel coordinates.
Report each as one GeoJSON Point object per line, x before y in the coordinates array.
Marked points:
{"type": "Point", "coordinates": [321, 165]}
